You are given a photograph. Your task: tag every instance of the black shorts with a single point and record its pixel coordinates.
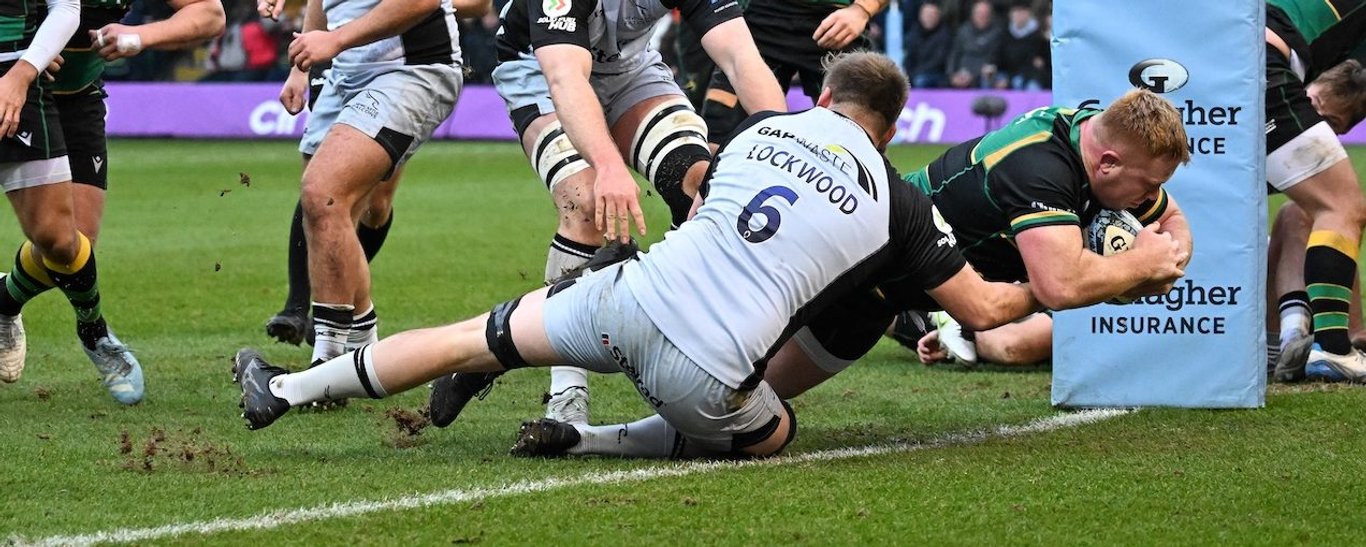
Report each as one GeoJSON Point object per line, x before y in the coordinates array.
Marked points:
{"type": "Point", "coordinates": [1289, 112]}
{"type": "Point", "coordinates": [40, 132]}
{"type": "Point", "coordinates": [782, 31]}
{"type": "Point", "coordinates": [82, 115]}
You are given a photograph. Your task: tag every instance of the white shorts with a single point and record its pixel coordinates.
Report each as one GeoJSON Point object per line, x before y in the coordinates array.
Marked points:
{"type": "Point", "coordinates": [1306, 155]}
{"type": "Point", "coordinates": [597, 324]}
{"type": "Point", "coordinates": [400, 108]}
{"type": "Point", "coordinates": [27, 174]}
{"type": "Point", "coordinates": [521, 84]}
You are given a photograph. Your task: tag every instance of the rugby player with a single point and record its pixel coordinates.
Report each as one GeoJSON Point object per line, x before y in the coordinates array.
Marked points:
{"type": "Point", "coordinates": [585, 92]}
{"type": "Point", "coordinates": [799, 209]}
{"type": "Point", "coordinates": [37, 180]}
{"type": "Point", "coordinates": [396, 74]}
{"type": "Point", "coordinates": [1306, 161]}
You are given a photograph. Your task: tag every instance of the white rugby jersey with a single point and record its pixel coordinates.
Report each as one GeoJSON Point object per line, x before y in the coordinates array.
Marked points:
{"type": "Point", "coordinates": [616, 32]}
{"type": "Point", "coordinates": [433, 40]}
{"type": "Point", "coordinates": [800, 209]}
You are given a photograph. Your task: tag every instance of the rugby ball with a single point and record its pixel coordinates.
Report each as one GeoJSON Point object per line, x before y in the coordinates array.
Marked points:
{"type": "Point", "coordinates": [1112, 232]}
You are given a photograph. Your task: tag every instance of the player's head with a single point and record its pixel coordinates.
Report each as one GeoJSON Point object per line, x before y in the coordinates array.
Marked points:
{"type": "Point", "coordinates": [1134, 147]}
{"type": "Point", "coordinates": [871, 85]}
{"type": "Point", "coordinates": [1339, 95]}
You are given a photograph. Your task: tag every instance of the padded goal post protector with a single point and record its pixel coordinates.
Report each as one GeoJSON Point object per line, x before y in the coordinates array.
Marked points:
{"type": "Point", "coordinates": [1202, 344]}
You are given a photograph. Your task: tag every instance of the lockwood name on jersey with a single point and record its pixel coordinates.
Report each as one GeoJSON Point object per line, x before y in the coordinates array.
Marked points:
{"type": "Point", "coordinates": [839, 196]}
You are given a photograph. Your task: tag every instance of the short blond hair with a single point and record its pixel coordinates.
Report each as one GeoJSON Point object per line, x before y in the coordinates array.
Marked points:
{"type": "Point", "coordinates": [868, 80]}
{"type": "Point", "coordinates": [1147, 122]}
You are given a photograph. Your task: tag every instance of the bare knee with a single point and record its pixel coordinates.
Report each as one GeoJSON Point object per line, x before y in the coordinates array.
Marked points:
{"type": "Point", "coordinates": [58, 244]}
{"type": "Point", "coordinates": [320, 203]}
{"type": "Point", "coordinates": [575, 205]}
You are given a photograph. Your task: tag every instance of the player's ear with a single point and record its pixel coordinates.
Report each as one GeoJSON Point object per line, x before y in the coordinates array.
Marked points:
{"type": "Point", "coordinates": [887, 138]}
{"type": "Point", "coordinates": [825, 98]}
{"type": "Point", "coordinates": [1109, 160]}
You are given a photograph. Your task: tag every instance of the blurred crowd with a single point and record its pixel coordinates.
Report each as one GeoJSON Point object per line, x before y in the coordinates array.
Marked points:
{"type": "Point", "coordinates": [997, 44]}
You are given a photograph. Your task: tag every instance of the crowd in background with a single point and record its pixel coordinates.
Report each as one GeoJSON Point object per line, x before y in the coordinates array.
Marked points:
{"type": "Point", "coordinates": [997, 44]}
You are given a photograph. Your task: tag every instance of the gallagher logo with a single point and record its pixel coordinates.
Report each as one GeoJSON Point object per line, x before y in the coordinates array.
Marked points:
{"type": "Point", "coordinates": [1159, 75]}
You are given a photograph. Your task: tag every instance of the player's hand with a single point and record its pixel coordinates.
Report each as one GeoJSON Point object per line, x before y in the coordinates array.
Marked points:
{"type": "Point", "coordinates": [115, 41]}
{"type": "Point", "coordinates": [292, 94]}
{"type": "Point", "coordinates": [53, 68]}
{"type": "Point", "coordinates": [13, 92]}
{"type": "Point", "coordinates": [929, 350]}
{"type": "Point", "coordinates": [841, 27]}
{"type": "Point", "coordinates": [617, 203]}
{"type": "Point", "coordinates": [270, 8]}
{"type": "Point", "coordinates": [313, 47]}
{"type": "Point", "coordinates": [1161, 253]}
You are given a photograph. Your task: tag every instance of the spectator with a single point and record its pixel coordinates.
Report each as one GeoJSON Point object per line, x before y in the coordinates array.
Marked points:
{"type": "Point", "coordinates": [972, 59]}
{"type": "Point", "coordinates": [927, 48]}
{"type": "Point", "coordinates": [246, 52]}
{"type": "Point", "coordinates": [1023, 56]}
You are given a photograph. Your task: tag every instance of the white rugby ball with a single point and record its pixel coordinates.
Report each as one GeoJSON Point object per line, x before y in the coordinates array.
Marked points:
{"type": "Point", "coordinates": [1112, 232]}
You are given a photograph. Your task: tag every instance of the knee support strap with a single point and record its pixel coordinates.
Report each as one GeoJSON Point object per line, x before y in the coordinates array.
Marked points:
{"type": "Point", "coordinates": [670, 140]}
{"type": "Point", "coordinates": [554, 157]}
{"type": "Point", "coordinates": [498, 335]}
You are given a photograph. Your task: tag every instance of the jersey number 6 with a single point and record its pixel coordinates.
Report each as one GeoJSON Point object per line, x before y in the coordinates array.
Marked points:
{"type": "Point", "coordinates": [772, 218]}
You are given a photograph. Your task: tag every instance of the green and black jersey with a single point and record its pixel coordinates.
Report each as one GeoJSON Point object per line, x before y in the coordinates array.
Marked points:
{"type": "Point", "coordinates": [19, 21]}
{"type": "Point", "coordinates": [83, 67]}
{"type": "Point", "coordinates": [1025, 175]}
{"type": "Point", "coordinates": [1328, 30]}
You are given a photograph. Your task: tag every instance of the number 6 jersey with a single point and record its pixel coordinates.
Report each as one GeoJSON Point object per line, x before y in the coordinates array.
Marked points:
{"type": "Point", "coordinates": [800, 209]}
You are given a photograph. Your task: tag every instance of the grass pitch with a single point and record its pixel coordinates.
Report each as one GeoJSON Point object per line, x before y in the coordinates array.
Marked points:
{"type": "Point", "coordinates": [193, 261]}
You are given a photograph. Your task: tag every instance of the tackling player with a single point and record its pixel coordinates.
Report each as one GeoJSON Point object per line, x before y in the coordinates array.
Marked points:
{"type": "Point", "coordinates": [586, 94]}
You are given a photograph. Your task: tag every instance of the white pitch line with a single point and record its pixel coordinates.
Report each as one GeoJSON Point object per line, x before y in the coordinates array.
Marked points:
{"type": "Point", "coordinates": [277, 519]}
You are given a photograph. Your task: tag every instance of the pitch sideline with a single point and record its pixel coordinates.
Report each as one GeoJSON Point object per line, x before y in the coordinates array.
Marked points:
{"type": "Point", "coordinates": [280, 518]}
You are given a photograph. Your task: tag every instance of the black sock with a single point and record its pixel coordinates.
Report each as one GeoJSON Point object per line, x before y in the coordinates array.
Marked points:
{"type": "Point", "coordinates": [299, 288]}
{"type": "Point", "coordinates": [25, 281]}
{"type": "Point", "coordinates": [79, 281]}
{"type": "Point", "coordinates": [1329, 266]}
{"type": "Point", "coordinates": [372, 239]}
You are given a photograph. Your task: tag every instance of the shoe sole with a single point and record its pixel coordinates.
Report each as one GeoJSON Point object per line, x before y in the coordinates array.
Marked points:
{"type": "Point", "coordinates": [1348, 375]}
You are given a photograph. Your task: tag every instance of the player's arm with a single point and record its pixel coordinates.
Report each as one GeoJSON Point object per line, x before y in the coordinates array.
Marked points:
{"type": "Point", "coordinates": [728, 42]}
{"type": "Point", "coordinates": [1167, 213]}
{"type": "Point", "coordinates": [389, 18]}
{"type": "Point", "coordinates": [731, 46]}
{"type": "Point", "coordinates": [293, 93]}
{"type": "Point", "coordinates": [192, 23]}
{"type": "Point", "coordinates": [567, 68]}
{"type": "Point", "coordinates": [1065, 275]}
{"type": "Point", "coordinates": [842, 26]}
{"type": "Point", "coordinates": [61, 21]}
{"type": "Point", "coordinates": [979, 304]}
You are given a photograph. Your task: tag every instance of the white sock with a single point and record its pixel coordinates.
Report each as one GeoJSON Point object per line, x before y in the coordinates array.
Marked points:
{"type": "Point", "coordinates": [651, 437]}
{"type": "Point", "coordinates": [331, 327]}
{"type": "Point", "coordinates": [562, 378]}
{"type": "Point", "coordinates": [338, 378]}
{"type": "Point", "coordinates": [1295, 323]}
{"type": "Point", "coordinates": [364, 329]}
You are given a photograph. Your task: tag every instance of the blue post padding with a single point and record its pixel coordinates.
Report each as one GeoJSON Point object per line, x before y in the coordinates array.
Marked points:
{"type": "Point", "coordinates": [1203, 344]}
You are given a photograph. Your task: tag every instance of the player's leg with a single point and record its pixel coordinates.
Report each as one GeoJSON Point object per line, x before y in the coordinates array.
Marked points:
{"type": "Point", "coordinates": [387, 118]}
{"type": "Point", "coordinates": [599, 320]}
{"type": "Point", "coordinates": [1028, 341]}
{"type": "Point", "coordinates": [1287, 302]}
{"type": "Point", "coordinates": [664, 140]}
{"type": "Point", "coordinates": [1308, 163]}
{"type": "Point", "coordinates": [512, 335]}
{"type": "Point", "coordinates": [372, 229]}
